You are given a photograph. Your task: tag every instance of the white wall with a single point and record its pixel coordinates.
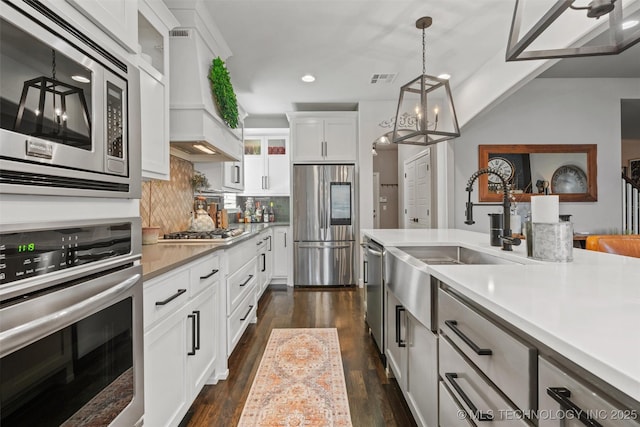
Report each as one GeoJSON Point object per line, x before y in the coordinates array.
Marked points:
{"type": "Point", "coordinates": [553, 111]}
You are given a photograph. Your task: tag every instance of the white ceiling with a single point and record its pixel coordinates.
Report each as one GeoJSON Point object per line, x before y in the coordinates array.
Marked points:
{"type": "Point", "coordinates": [344, 42]}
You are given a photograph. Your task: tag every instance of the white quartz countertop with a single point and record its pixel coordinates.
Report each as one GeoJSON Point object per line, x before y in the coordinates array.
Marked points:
{"type": "Point", "coordinates": [587, 310]}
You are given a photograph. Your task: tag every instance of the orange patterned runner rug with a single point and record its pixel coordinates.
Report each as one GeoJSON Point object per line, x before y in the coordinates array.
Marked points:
{"type": "Point", "coordinates": [300, 381]}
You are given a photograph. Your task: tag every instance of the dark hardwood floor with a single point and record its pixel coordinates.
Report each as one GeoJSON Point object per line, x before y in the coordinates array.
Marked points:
{"type": "Point", "coordinates": [374, 400]}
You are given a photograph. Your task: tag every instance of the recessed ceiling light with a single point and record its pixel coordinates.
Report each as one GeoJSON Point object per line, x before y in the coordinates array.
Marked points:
{"type": "Point", "coordinates": [444, 76]}
{"type": "Point", "coordinates": [308, 78]}
{"type": "Point", "coordinates": [81, 79]}
{"type": "Point", "coordinates": [629, 24]}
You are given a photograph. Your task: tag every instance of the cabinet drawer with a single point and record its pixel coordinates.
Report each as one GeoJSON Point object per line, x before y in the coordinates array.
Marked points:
{"type": "Point", "coordinates": [240, 319]}
{"type": "Point", "coordinates": [165, 295]}
{"type": "Point", "coordinates": [508, 362]}
{"type": "Point", "coordinates": [240, 283]}
{"type": "Point", "coordinates": [240, 254]}
{"type": "Point", "coordinates": [449, 411]}
{"type": "Point", "coordinates": [204, 273]}
{"type": "Point", "coordinates": [470, 388]}
{"type": "Point", "coordinates": [557, 390]}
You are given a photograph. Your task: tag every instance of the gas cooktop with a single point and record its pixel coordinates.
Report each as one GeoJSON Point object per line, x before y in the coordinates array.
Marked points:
{"type": "Point", "coordinates": [219, 234]}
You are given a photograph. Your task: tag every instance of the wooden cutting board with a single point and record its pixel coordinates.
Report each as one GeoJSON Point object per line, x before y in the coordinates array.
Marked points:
{"type": "Point", "coordinates": [224, 219]}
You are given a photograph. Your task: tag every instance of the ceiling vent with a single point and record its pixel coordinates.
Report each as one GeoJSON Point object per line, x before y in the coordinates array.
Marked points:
{"type": "Point", "coordinates": [181, 33]}
{"type": "Point", "coordinates": [380, 78]}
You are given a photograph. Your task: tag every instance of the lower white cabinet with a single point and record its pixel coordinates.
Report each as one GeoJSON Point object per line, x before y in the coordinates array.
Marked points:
{"type": "Point", "coordinates": [282, 244]}
{"type": "Point", "coordinates": [242, 288]}
{"type": "Point", "coordinates": [265, 260]}
{"type": "Point", "coordinates": [412, 356]}
{"type": "Point", "coordinates": [182, 343]}
{"type": "Point", "coordinates": [166, 391]}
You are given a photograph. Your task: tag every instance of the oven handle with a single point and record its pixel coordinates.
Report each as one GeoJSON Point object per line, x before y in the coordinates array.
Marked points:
{"type": "Point", "coordinates": [16, 338]}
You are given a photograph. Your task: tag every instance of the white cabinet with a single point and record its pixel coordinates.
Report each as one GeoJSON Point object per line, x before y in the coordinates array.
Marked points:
{"type": "Point", "coordinates": [412, 352]}
{"type": "Point", "coordinates": [242, 287]}
{"type": "Point", "coordinates": [330, 137]}
{"type": "Point", "coordinates": [282, 245]}
{"type": "Point", "coordinates": [265, 260]}
{"type": "Point", "coordinates": [266, 156]}
{"type": "Point", "coordinates": [166, 392]}
{"type": "Point", "coordinates": [183, 347]}
{"type": "Point", "coordinates": [118, 18]}
{"type": "Point", "coordinates": [223, 176]}
{"type": "Point", "coordinates": [154, 22]}
{"type": "Point", "coordinates": [417, 191]}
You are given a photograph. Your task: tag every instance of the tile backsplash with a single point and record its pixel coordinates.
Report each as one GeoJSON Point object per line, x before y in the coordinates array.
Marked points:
{"type": "Point", "coordinates": [168, 204]}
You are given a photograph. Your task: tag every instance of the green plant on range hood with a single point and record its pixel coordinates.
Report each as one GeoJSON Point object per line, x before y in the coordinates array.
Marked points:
{"type": "Point", "coordinates": [223, 93]}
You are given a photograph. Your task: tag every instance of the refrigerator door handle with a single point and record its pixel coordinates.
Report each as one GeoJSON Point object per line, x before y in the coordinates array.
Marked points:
{"type": "Point", "coordinates": [322, 246]}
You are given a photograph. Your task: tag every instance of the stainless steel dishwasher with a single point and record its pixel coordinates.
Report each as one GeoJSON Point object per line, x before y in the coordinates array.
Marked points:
{"type": "Point", "coordinates": [374, 291]}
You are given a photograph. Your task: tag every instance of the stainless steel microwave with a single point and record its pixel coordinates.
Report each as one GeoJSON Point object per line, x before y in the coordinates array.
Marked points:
{"type": "Point", "coordinates": [70, 109]}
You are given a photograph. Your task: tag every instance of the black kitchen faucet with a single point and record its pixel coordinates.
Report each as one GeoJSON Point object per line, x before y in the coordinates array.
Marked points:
{"type": "Point", "coordinates": [507, 240]}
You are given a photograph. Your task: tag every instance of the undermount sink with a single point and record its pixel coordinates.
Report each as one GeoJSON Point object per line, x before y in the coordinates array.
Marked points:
{"type": "Point", "coordinates": [452, 255]}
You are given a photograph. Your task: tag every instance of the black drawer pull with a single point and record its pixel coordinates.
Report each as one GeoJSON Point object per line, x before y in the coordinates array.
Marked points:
{"type": "Point", "coordinates": [247, 281]}
{"type": "Point", "coordinates": [453, 324]}
{"type": "Point", "coordinates": [562, 395]}
{"type": "Point", "coordinates": [193, 334]}
{"type": "Point", "coordinates": [247, 315]}
{"type": "Point", "coordinates": [475, 413]}
{"type": "Point", "coordinates": [197, 313]}
{"type": "Point", "coordinates": [214, 271]}
{"type": "Point", "coordinates": [399, 340]}
{"type": "Point", "coordinates": [172, 297]}
{"type": "Point", "coordinates": [264, 262]}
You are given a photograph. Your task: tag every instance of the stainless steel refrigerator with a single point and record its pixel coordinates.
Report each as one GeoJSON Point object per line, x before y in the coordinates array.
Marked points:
{"type": "Point", "coordinates": [324, 224]}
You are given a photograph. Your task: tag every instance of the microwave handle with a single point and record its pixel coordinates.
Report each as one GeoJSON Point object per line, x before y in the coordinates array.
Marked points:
{"type": "Point", "coordinates": [15, 338]}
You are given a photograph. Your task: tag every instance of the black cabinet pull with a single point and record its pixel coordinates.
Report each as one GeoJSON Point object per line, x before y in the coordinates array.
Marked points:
{"type": "Point", "coordinates": [193, 334]}
{"type": "Point", "coordinates": [453, 325]}
{"type": "Point", "coordinates": [197, 313]}
{"type": "Point", "coordinates": [475, 413]}
{"type": "Point", "coordinates": [399, 340]}
{"type": "Point", "coordinates": [237, 168]}
{"type": "Point", "coordinates": [264, 262]}
{"type": "Point", "coordinates": [364, 268]}
{"type": "Point", "coordinates": [172, 297]}
{"type": "Point", "coordinates": [562, 395]}
{"type": "Point", "coordinates": [285, 240]}
{"type": "Point", "coordinates": [247, 315]}
{"type": "Point", "coordinates": [246, 281]}
{"type": "Point", "coordinates": [214, 271]}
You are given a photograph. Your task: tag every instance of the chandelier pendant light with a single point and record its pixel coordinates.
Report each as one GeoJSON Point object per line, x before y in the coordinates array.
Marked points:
{"type": "Point", "coordinates": [425, 113]}
{"type": "Point", "coordinates": [566, 17]}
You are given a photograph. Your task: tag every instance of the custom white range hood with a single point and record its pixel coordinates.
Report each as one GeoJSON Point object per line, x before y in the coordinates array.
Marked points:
{"type": "Point", "coordinates": [196, 128]}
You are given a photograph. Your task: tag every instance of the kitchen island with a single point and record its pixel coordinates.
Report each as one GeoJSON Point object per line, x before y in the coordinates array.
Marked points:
{"type": "Point", "coordinates": [584, 313]}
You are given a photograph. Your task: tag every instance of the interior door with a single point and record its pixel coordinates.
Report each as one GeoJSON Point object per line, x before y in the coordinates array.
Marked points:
{"type": "Point", "coordinates": [409, 194]}
{"type": "Point", "coordinates": [423, 191]}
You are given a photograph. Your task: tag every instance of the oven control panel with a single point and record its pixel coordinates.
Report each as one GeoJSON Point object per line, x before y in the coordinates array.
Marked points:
{"type": "Point", "coordinates": [35, 253]}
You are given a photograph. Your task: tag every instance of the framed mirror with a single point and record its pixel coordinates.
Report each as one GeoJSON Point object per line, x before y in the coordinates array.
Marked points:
{"type": "Point", "coordinates": [568, 170]}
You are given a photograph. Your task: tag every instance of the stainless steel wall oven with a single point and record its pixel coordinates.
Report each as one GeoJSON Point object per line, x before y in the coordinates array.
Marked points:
{"type": "Point", "coordinates": [69, 121]}
{"type": "Point", "coordinates": [71, 334]}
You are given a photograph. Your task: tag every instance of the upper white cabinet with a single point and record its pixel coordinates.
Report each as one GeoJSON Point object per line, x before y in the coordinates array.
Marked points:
{"type": "Point", "coordinates": [154, 23]}
{"type": "Point", "coordinates": [266, 156]}
{"type": "Point", "coordinates": [324, 137]}
{"type": "Point", "coordinates": [223, 176]}
{"type": "Point", "coordinates": [118, 18]}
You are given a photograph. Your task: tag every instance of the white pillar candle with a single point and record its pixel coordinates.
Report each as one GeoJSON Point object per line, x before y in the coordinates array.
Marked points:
{"type": "Point", "coordinates": [545, 209]}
